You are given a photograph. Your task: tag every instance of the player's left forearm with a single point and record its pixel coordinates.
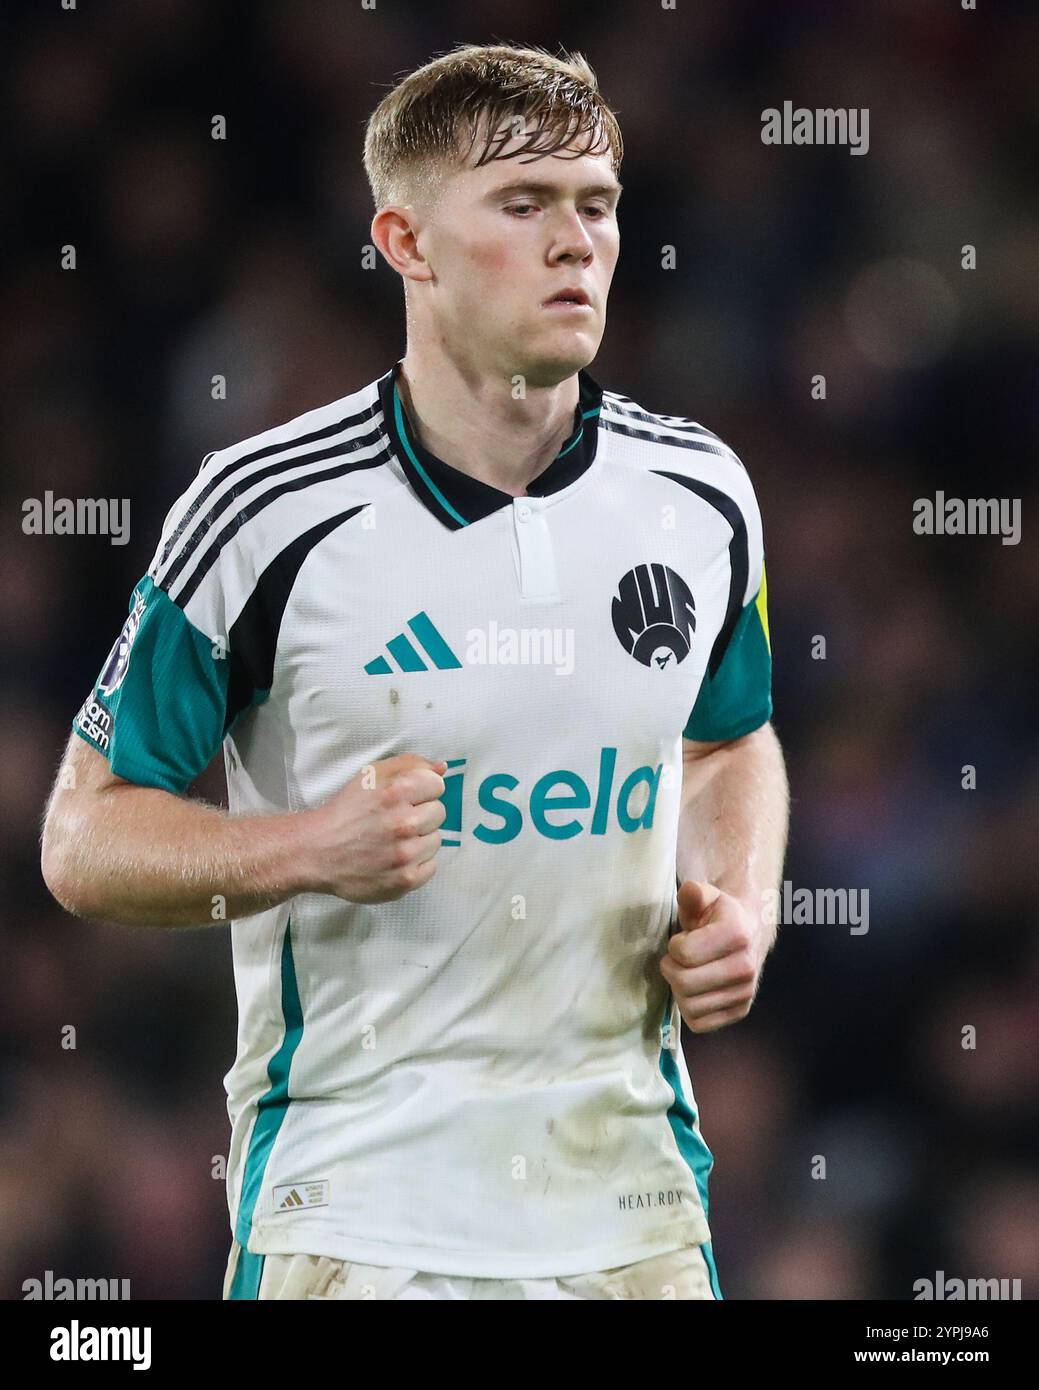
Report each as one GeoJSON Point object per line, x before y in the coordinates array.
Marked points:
{"type": "Point", "coordinates": [734, 818]}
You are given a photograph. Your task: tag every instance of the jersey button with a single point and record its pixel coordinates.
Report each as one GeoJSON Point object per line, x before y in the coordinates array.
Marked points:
{"type": "Point", "coordinates": [524, 512]}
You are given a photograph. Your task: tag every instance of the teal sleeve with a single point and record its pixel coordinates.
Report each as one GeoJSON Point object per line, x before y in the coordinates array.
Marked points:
{"type": "Point", "coordinates": [737, 699]}
{"type": "Point", "coordinates": [158, 708]}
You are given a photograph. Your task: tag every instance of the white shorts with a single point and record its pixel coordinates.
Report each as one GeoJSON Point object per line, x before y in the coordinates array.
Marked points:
{"type": "Point", "coordinates": [680, 1274]}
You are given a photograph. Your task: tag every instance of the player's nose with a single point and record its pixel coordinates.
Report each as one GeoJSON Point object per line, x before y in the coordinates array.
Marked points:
{"type": "Point", "coordinates": [572, 240]}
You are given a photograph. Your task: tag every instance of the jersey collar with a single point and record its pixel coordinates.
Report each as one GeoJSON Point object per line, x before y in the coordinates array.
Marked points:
{"type": "Point", "coordinates": [455, 498]}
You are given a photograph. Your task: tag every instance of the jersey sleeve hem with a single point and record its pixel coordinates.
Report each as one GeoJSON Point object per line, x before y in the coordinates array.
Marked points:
{"type": "Point", "coordinates": [745, 726]}
{"type": "Point", "coordinates": [130, 771]}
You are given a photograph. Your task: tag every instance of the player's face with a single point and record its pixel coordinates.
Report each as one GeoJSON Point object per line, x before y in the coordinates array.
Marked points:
{"type": "Point", "coordinates": [508, 237]}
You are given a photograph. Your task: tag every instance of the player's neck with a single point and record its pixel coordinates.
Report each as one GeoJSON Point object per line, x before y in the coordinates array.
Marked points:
{"type": "Point", "coordinates": [479, 428]}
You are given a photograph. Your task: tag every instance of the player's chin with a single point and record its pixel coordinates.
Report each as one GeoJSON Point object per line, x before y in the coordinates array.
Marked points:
{"type": "Point", "coordinates": [557, 355]}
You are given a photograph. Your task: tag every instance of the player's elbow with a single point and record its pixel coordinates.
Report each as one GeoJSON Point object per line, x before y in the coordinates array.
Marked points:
{"type": "Point", "coordinates": [54, 867]}
{"type": "Point", "coordinates": [65, 881]}
{"type": "Point", "coordinates": [63, 892]}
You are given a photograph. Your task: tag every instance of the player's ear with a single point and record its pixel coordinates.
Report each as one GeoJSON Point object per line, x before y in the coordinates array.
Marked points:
{"type": "Point", "coordinates": [394, 232]}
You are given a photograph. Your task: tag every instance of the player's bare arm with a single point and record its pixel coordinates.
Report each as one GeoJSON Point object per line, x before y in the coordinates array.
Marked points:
{"type": "Point", "coordinates": [141, 856]}
{"type": "Point", "coordinates": [731, 844]}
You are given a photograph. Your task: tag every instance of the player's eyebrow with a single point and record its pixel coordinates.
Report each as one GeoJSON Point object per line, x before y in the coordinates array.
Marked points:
{"type": "Point", "coordinates": [610, 191]}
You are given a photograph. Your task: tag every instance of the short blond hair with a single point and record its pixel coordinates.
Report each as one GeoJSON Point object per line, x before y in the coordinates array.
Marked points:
{"type": "Point", "coordinates": [415, 135]}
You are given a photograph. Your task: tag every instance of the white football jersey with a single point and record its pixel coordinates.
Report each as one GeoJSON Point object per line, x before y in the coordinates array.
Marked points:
{"type": "Point", "coordinates": [483, 1077]}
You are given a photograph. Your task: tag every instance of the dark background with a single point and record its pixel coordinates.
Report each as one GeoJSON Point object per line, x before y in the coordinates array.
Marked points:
{"type": "Point", "coordinates": [243, 257]}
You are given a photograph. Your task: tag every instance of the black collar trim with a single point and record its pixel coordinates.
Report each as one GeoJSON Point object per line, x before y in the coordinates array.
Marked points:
{"type": "Point", "coordinates": [455, 498]}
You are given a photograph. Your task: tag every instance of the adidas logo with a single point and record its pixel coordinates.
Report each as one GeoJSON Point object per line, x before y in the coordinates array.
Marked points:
{"type": "Point", "coordinates": [307, 1194]}
{"type": "Point", "coordinates": [408, 656]}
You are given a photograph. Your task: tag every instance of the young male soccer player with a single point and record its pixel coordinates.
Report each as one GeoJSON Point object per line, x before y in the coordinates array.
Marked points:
{"type": "Point", "coordinates": [486, 648]}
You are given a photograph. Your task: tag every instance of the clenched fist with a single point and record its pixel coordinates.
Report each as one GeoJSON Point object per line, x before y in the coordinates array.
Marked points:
{"type": "Point", "coordinates": [376, 839]}
{"type": "Point", "coordinates": [713, 964]}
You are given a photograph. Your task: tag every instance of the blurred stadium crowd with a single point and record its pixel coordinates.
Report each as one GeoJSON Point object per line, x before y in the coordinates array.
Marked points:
{"type": "Point", "coordinates": [243, 257]}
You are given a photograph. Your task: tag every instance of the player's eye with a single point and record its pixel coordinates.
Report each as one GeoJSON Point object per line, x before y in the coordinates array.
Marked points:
{"type": "Point", "coordinates": [520, 208]}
